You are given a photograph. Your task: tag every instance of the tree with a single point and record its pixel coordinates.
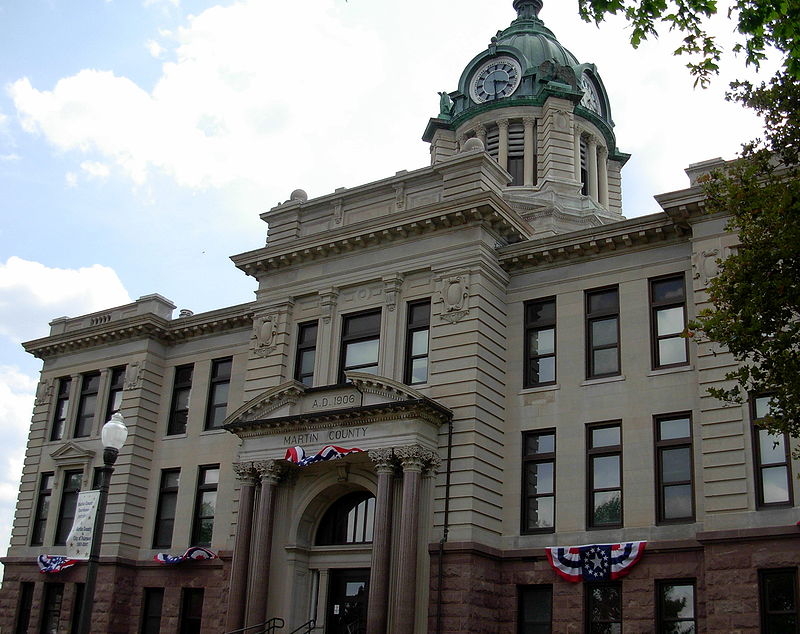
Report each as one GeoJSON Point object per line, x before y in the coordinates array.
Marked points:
{"type": "Point", "coordinates": [755, 298]}
{"type": "Point", "coordinates": [760, 24]}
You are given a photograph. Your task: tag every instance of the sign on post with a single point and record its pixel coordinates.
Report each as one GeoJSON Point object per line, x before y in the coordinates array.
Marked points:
{"type": "Point", "coordinates": [79, 540]}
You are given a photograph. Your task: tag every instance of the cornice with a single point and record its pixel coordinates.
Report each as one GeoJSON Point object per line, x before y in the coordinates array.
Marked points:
{"type": "Point", "coordinates": [422, 409]}
{"type": "Point", "coordinates": [485, 207]}
{"type": "Point", "coordinates": [148, 326]}
{"type": "Point", "coordinates": [588, 243]}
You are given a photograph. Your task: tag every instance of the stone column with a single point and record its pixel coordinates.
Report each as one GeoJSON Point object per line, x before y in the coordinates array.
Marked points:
{"type": "Point", "coordinates": [378, 605]}
{"type": "Point", "coordinates": [480, 132]}
{"type": "Point", "coordinates": [602, 177]}
{"type": "Point", "coordinates": [529, 152]}
{"type": "Point", "coordinates": [577, 154]}
{"type": "Point", "coordinates": [270, 472]}
{"type": "Point", "coordinates": [413, 459]}
{"type": "Point", "coordinates": [591, 167]}
{"type": "Point", "coordinates": [237, 597]}
{"type": "Point", "coordinates": [502, 148]}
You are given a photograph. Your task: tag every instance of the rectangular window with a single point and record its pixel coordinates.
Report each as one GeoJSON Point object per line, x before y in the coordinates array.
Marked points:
{"type": "Point", "coordinates": [772, 463]}
{"type": "Point", "coordinates": [417, 333]}
{"type": "Point", "coordinates": [604, 444]}
{"type": "Point", "coordinates": [535, 612]}
{"type": "Point", "coordinates": [602, 333]}
{"type": "Point", "coordinates": [151, 610]}
{"type": "Point", "coordinates": [778, 600]}
{"type": "Point", "coordinates": [42, 508]}
{"type": "Point", "coordinates": [167, 504]}
{"type": "Point", "coordinates": [87, 404]}
{"type": "Point", "coordinates": [179, 410]}
{"type": "Point", "coordinates": [69, 501]}
{"type": "Point", "coordinates": [306, 353]}
{"type": "Point", "coordinates": [675, 610]}
{"type": "Point", "coordinates": [218, 392]}
{"type": "Point", "coordinates": [191, 611]}
{"type": "Point", "coordinates": [205, 505]}
{"type": "Point", "coordinates": [538, 485]}
{"type": "Point", "coordinates": [540, 342]}
{"type": "Point", "coordinates": [24, 607]}
{"type": "Point", "coordinates": [115, 388]}
{"type": "Point", "coordinates": [77, 605]}
{"type": "Point", "coordinates": [51, 610]}
{"type": "Point", "coordinates": [62, 409]}
{"type": "Point", "coordinates": [604, 608]}
{"type": "Point", "coordinates": [360, 343]}
{"type": "Point", "coordinates": [668, 321]}
{"type": "Point", "coordinates": [674, 468]}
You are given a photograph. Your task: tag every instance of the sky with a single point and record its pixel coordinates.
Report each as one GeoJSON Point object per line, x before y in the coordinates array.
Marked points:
{"type": "Point", "coordinates": [141, 139]}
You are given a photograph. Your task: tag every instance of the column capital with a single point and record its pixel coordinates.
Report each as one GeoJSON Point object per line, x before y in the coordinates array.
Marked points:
{"type": "Point", "coordinates": [529, 120]}
{"type": "Point", "coordinates": [603, 150]}
{"type": "Point", "coordinates": [245, 472]}
{"type": "Point", "coordinates": [269, 471]}
{"type": "Point", "coordinates": [591, 139]}
{"type": "Point", "coordinates": [480, 130]}
{"type": "Point", "coordinates": [502, 123]}
{"type": "Point", "coordinates": [414, 457]}
{"type": "Point", "coordinates": [431, 468]}
{"type": "Point", "coordinates": [383, 459]}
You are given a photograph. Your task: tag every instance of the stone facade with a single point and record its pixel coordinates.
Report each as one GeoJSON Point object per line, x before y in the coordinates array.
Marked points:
{"type": "Point", "coordinates": [394, 319]}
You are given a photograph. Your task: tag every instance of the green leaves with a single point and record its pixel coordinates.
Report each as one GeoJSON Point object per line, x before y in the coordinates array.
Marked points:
{"type": "Point", "coordinates": [760, 23]}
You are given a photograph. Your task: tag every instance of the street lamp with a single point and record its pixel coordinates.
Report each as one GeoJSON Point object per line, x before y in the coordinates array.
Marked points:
{"type": "Point", "coordinates": [113, 436]}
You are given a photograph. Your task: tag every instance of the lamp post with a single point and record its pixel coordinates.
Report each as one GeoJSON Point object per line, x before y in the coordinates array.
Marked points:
{"type": "Point", "coordinates": [113, 436]}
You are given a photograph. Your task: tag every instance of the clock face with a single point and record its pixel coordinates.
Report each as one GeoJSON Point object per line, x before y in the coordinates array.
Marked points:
{"type": "Point", "coordinates": [495, 79]}
{"type": "Point", "coordinates": [591, 98]}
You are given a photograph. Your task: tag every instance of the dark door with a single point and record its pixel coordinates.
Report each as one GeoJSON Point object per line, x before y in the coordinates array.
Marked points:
{"type": "Point", "coordinates": [347, 601]}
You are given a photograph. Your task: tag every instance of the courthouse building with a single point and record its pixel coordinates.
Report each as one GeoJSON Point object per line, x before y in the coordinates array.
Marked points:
{"type": "Point", "coordinates": [494, 353]}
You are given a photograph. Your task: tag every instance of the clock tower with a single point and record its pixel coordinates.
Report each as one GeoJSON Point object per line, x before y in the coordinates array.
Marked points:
{"type": "Point", "coordinates": [545, 117]}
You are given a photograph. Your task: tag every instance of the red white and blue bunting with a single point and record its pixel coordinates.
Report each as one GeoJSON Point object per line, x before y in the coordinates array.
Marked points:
{"type": "Point", "coordinates": [298, 456]}
{"type": "Point", "coordinates": [595, 562]}
{"type": "Point", "coordinates": [54, 563]}
{"type": "Point", "coordinates": [195, 553]}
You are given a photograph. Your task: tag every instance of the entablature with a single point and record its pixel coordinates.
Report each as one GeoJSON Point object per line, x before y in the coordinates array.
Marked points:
{"type": "Point", "coordinates": [587, 243]}
{"type": "Point", "coordinates": [104, 328]}
{"type": "Point", "coordinates": [487, 207]}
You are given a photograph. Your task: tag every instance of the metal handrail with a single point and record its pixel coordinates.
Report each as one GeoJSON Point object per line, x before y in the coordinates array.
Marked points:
{"type": "Point", "coordinates": [305, 628]}
{"type": "Point", "coordinates": [267, 627]}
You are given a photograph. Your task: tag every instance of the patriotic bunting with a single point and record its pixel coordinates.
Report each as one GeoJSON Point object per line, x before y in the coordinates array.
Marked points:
{"type": "Point", "coordinates": [54, 563]}
{"type": "Point", "coordinates": [595, 562]}
{"type": "Point", "coordinates": [195, 553]}
{"type": "Point", "coordinates": [298, 456]}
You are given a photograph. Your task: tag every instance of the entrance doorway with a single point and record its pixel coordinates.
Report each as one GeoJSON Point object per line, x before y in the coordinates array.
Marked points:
{"type": "Point", "coordinates": [347, 601]}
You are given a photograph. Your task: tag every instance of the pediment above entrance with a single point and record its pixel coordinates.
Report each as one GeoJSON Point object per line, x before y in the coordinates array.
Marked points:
{"type": "Point", "coordinates": [368, 412]}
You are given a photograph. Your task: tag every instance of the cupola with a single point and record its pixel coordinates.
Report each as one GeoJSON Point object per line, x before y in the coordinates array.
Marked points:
{"type": "Point", "coordinates": [545, 117]}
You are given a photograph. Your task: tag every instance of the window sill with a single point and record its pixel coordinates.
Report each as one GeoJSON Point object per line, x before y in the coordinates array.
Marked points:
{"type": "Point", "coordinates": [540, 388]}
{"type": "Point", "coordinates": [216, 430]}
{"type": "Point", "coordinates": [605, 379]}
{"type": "Point", "coordinates": [678, 368]}
{"type": "Point", "coordinates": [171, 436]}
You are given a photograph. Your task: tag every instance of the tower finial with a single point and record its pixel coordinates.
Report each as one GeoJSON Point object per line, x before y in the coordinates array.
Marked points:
{"type": "Point", "coordinates": [528, 9]}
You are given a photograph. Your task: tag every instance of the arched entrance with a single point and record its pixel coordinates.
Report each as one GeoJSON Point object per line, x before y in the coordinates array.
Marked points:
{"type": "Point", "coordinates": [348, 521]}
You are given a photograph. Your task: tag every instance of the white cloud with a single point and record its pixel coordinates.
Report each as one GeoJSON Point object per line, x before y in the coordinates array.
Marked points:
{"type": "Point", "coordinates": [155, 49]}
{"type": "Point", "coordinates": [71, 179]}
{"type": "Point", "coordinates": [94, 169]}
{"type": "Point", "coordinates": [221, 108]}
{"type": "Point", "coordinates": [32, 294]}
{"type": "Point", "coordinates": [9, 158]}
{"type": "Point", "coordinates": [16, 402]}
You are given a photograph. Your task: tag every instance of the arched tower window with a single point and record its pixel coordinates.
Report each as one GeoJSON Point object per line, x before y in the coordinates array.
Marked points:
{"type": "Point", "coordinates": [349, 520]}
{"type": "Point", "coordinates": [516, 153]}
{"type": "Point", "coordinates": [584, 168]}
